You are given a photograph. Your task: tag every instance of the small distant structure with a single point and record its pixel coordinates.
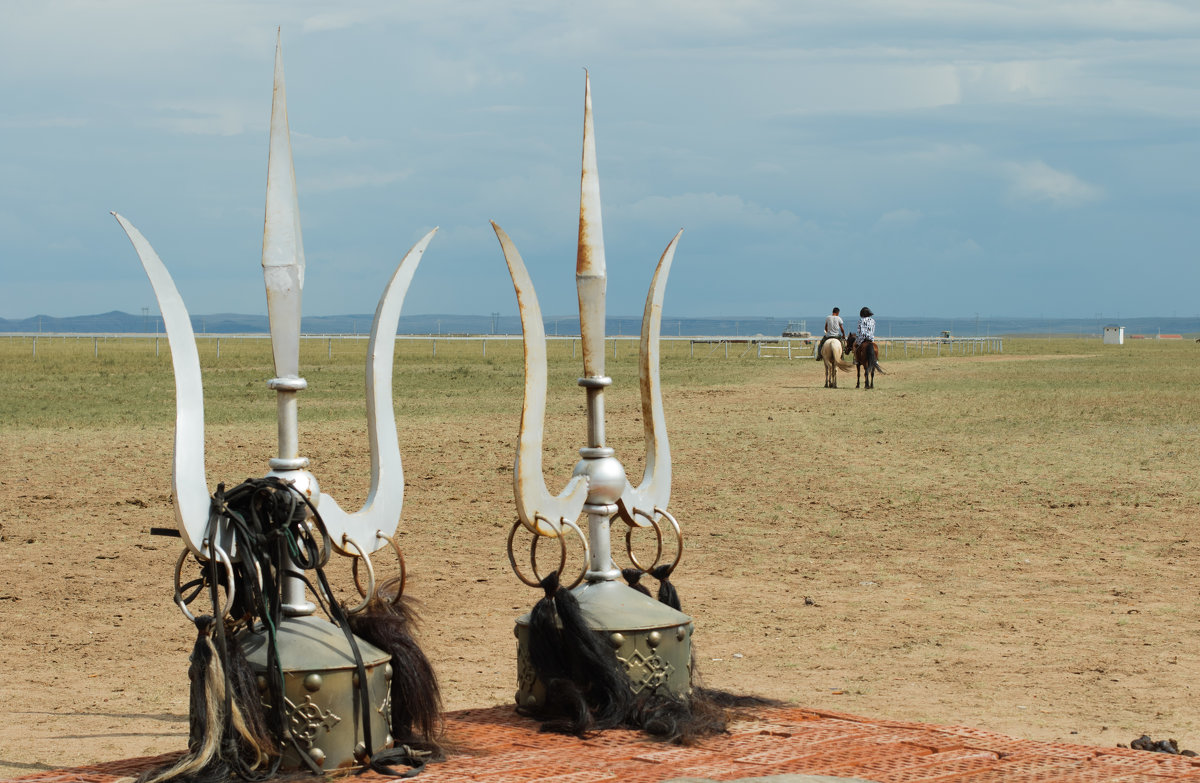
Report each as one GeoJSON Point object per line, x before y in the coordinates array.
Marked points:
{"type": "Point", "coordinates": [1170, 337]}
{"type": "Point", "coordinates": [796, 329]}
{"type": "Point", "coordinates": [1114, 335]}
{"type": "Point", "coordinates": [946, 334]}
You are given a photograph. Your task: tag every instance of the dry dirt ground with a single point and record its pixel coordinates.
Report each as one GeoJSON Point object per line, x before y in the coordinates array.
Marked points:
{"type": "Point", "coordinates": [1003, 572]}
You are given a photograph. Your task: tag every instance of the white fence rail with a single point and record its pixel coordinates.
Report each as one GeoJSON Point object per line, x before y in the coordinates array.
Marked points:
{"type": "Point", "coordinates": [761, 347]}
{"type": "Point", "coordinates": [889, 347]}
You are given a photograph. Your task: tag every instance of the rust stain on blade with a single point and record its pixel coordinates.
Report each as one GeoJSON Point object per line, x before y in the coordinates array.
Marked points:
{"type": "Point", "coordinates": [590, 277]}
{"type": "Point", "coordinates": [538, 510]}
{"type": "Point", "coordinates": [589, 259]}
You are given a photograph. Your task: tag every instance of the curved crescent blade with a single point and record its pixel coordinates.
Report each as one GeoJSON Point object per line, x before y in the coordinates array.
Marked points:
{"type": "Point", "coordinates": [539, 511]}
{"type": "Point", "coordinates": [192, 500]}
{"type": "Point", "coordinates": [385, 500]}
{"type": "Point", "coordinates": [655, 489]}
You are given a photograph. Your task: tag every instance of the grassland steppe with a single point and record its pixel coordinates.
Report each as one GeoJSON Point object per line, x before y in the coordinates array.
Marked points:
{"type": "Point", "coordinates": [1008, 541]}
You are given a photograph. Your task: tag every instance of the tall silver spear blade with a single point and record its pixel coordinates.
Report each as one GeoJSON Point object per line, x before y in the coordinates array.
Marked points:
{"type": "Point", "coordinates": [590, 275]}
{"type": "Point", "coordinates": [633, 622]}
{"type": "Point", "coordinates": [283, 248]}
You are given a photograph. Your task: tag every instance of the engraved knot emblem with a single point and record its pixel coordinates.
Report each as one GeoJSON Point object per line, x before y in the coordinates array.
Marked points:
{"type": "Point", "coordinates": [306, 720]}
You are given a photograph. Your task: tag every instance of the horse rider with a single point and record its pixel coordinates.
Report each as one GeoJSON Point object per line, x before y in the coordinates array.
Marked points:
{"type": "Point", "coordinates": [833, 329]}
{"type": "Point", "coordinates": [866, 327]}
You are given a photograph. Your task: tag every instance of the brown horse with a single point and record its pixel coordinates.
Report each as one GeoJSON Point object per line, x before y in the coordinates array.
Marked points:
{"type": "Point", "coordinates": [866, 360]}
{"type": "Point", "coordinates": [831, 354]}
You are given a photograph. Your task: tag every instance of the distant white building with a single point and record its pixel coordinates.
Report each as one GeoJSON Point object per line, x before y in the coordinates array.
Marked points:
{"type": "Point", "coordinates": [1114, 335]}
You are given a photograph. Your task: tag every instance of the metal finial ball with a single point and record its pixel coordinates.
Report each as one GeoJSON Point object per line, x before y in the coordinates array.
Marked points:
{"type": "Point", "coordinates": [605, 473]}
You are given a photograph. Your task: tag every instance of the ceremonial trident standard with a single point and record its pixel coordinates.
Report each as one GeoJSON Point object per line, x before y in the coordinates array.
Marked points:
{"type": "Point", "coordinates": [652, 641]}
{"type": "Point", "coordinates": [335, 706]}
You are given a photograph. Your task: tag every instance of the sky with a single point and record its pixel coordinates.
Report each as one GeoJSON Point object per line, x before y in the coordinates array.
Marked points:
{"type": "Point", "coordinates": [922, 157]}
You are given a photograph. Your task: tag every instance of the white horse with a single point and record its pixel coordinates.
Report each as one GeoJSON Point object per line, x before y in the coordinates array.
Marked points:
{"type": "Point", "coordinates": [831, 354]}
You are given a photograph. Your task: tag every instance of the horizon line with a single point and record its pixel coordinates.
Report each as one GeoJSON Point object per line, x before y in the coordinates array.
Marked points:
{"type": "Point", "coordinates": [665, 317]}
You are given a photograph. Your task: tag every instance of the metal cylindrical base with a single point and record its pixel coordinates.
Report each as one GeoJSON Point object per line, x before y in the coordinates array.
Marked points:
{"type": "Point", "coordinates": [321, 709]}
{"type": "Point", "coordinates": [651, 640]}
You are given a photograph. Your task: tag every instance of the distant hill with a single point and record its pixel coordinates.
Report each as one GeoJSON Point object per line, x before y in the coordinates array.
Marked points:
{"type": "Point", "coordinates": [117, 322]}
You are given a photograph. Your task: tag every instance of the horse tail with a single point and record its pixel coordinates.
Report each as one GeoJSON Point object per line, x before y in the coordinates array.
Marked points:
{"type": "Point", "coordinates": [873, 357]}
{"type": "Point", "coordinates": [836, 357]}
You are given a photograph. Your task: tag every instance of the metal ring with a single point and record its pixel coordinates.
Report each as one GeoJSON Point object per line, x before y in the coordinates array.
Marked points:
{"type": "Point", "coordinates": [678, 535]}
{"type": "Point", "coordinates": [310, 527]}
{"type": "Point", "coordinates": [231, 590]}
{"type": "Point", "coordinates": [586, 552]}
{"type": "Point", "coordinates": [326, 544]}
{"type": "Point", "coordinates": [630, 518]}
{"type": "Point", "coordinates": [403, 569]}
{"type": "Point", "coordinates": [512, 558]}
{"type": "Point", "coordinates": [658, 540]}
{"type": "Point", "coordinates": [362, 553]}
{"type": "Point", "coordinates": [179, 587]}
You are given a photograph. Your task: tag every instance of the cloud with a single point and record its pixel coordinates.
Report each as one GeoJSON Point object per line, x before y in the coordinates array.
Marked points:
{"type": "Point", "coordinates": [66, 245]}
{"type": "Point", "coordinates": [206, 118]}
{"type": "Point", "coordinates": [963, 250]}
{"type": "Point", "coordinates": [1009, 16]}
{"type": "Point", "coordinates": [1036, 181]}
{"type": "Point", "coordinates": [43, 122]}
{"type": "Point", "coordinates": [871, 87]}
{"type": "Point", "coordinates": [1014, 80]}
{"type": "Point", "coordinates": [338, 20]}
{"type": "Point", "coordinates": [774, 131]}
{"type": "Point", "coordinates": [351, 180]}
{"type": "Point", "coordinates": [708, 209]}
{"type": "Point", "coordinates": [331, 145]}
{"type": "Point", "coordinates": [897, 218]}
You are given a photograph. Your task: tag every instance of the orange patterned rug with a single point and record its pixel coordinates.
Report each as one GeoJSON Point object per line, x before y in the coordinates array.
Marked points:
{"type": "Point", "coordinates": [499, 746]}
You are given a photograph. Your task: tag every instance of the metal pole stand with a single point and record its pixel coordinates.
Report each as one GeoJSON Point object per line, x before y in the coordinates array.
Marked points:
{"type": "Point", "coordinates": [651, 641]}
{"type": "Point", "coordinates": [330, 717]}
